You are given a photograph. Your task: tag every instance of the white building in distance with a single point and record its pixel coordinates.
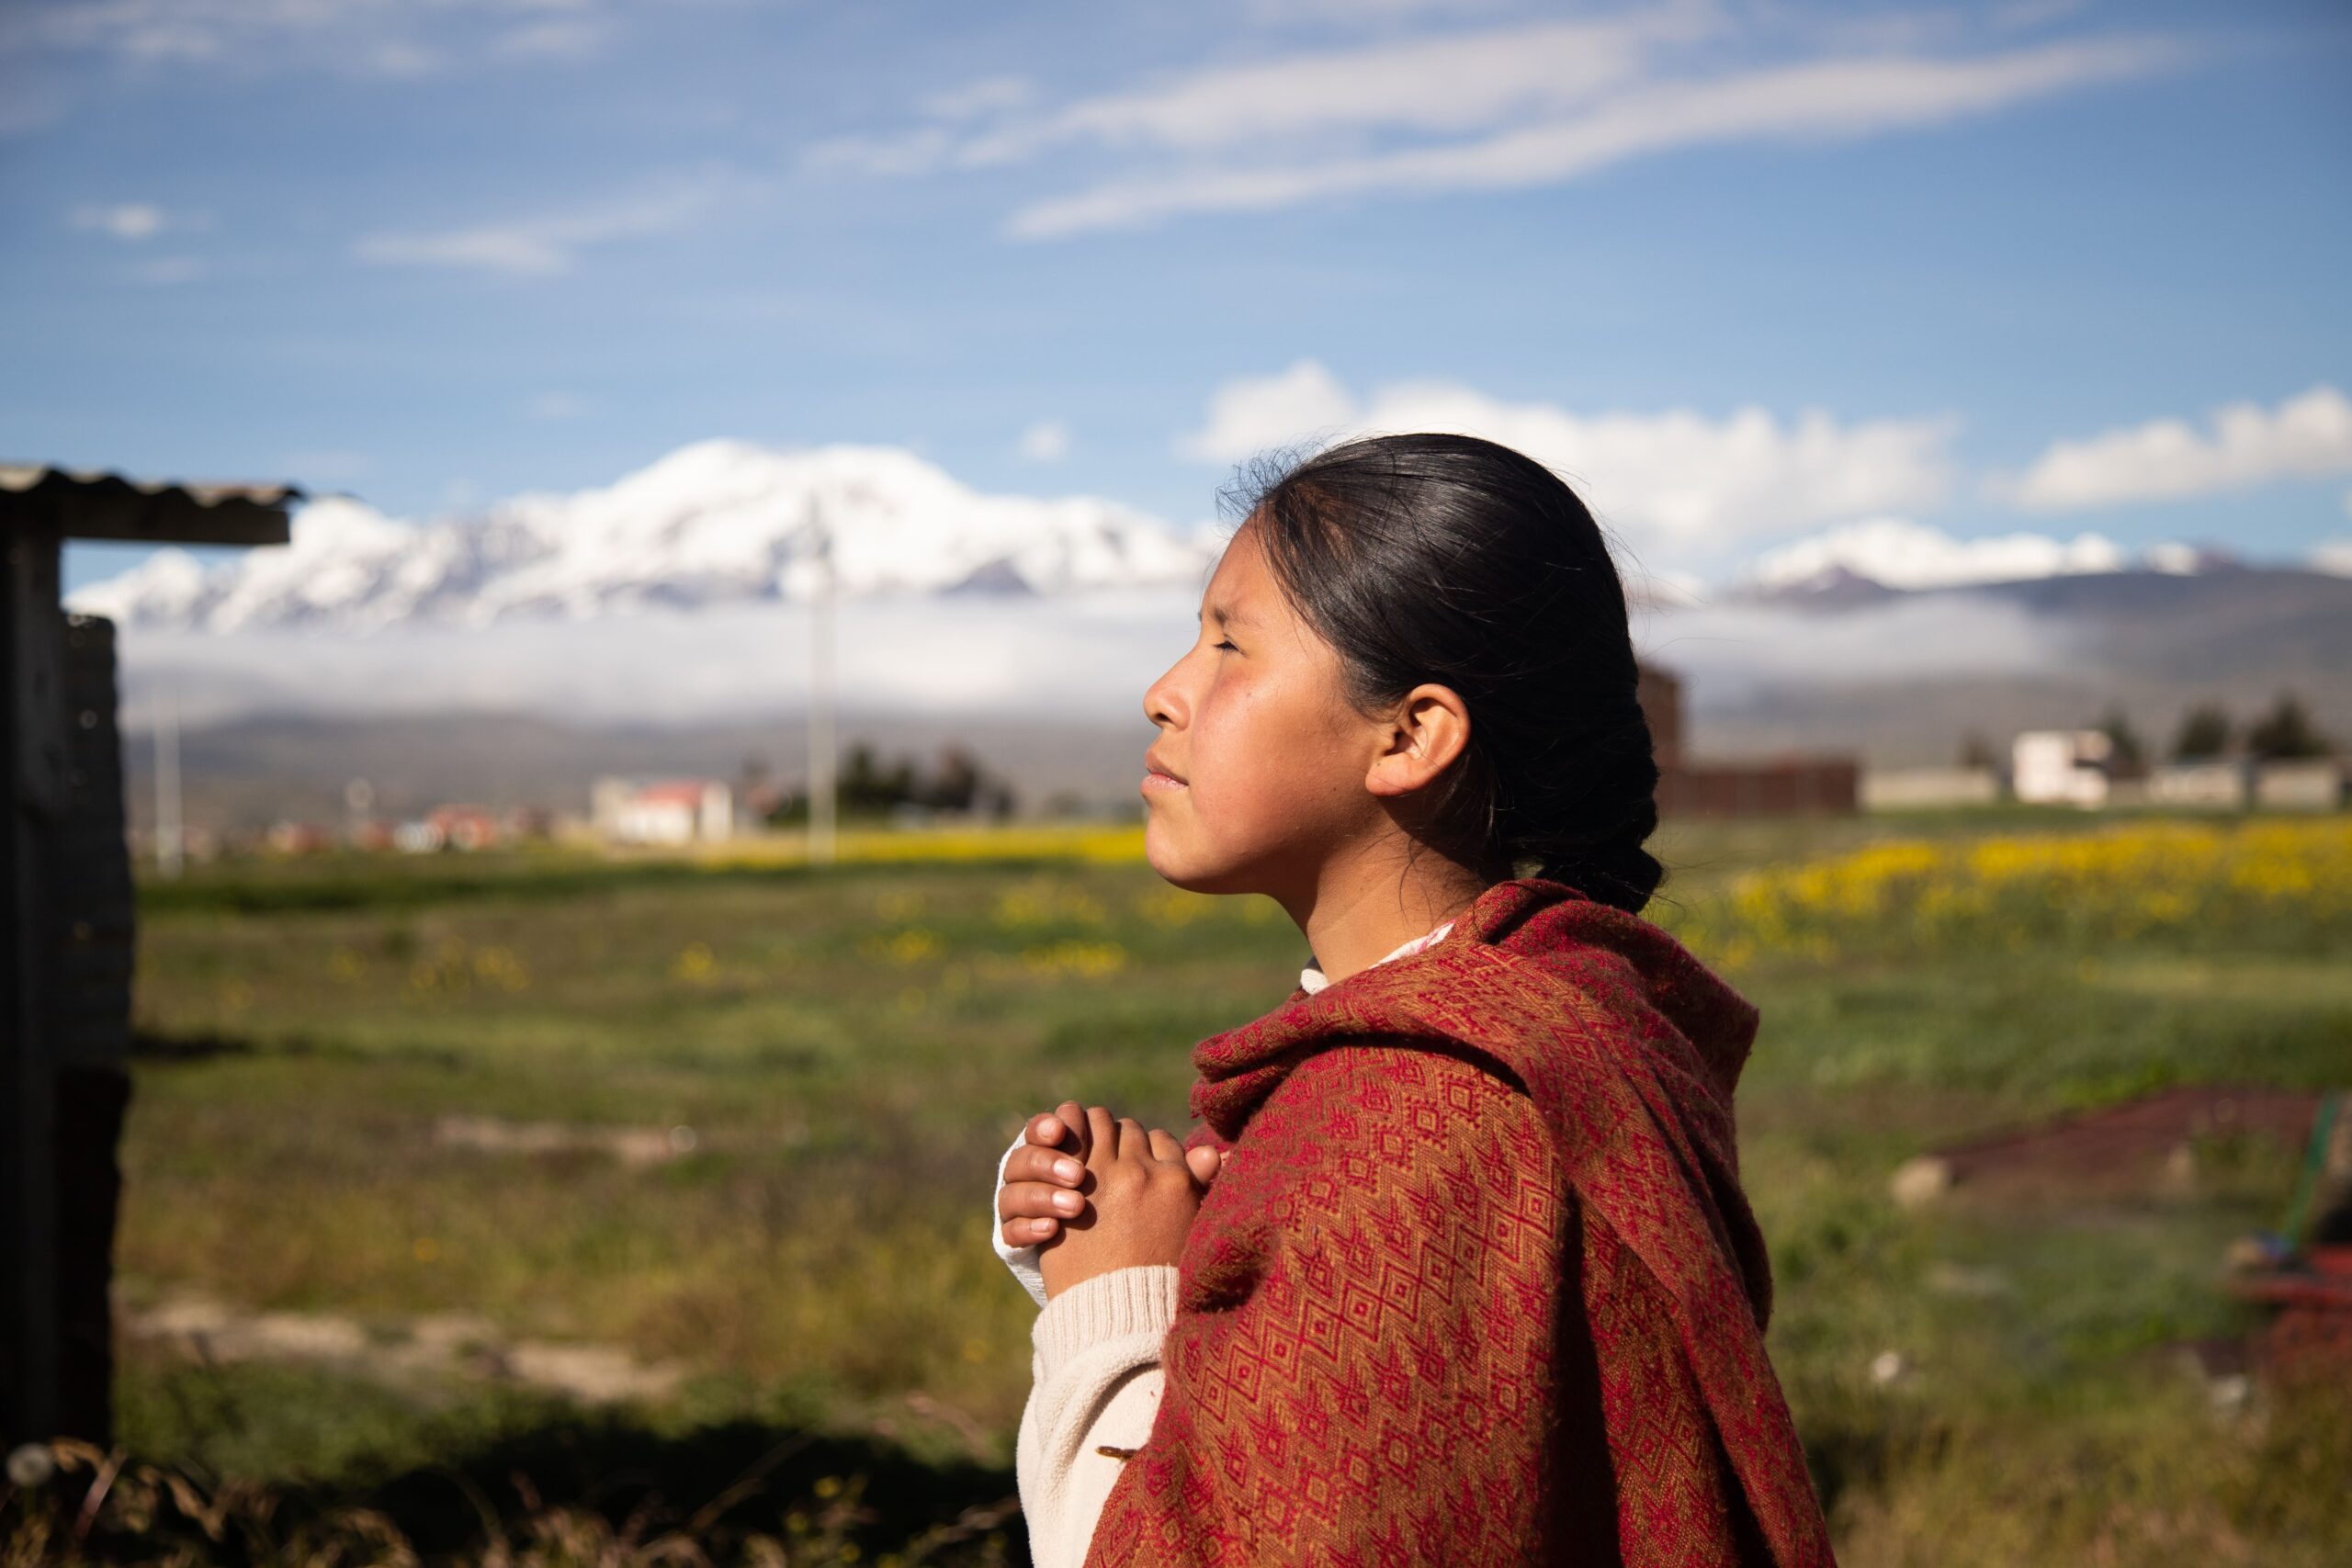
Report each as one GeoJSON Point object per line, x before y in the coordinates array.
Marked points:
{"type": "Point", "coordinates": [2061, 767]}
{"type": "Point", "coordinates": [662, 811]}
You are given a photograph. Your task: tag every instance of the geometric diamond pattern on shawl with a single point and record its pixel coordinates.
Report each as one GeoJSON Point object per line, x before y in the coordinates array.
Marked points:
{"type": "Point", "coordinates": [1476, 1283]}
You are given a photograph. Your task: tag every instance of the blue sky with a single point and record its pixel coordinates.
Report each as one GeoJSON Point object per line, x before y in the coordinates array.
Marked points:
{"type": "Point", "coordinates": [436, 254]}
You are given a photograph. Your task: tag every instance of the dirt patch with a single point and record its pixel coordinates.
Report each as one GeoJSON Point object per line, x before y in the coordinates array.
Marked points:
{"type": "Point", "coordinates": [630, 1146]}
{"type": "Point", "coordinates": [2140, 1148]}
{"type": "Point", "coordinates": [444, 1345]}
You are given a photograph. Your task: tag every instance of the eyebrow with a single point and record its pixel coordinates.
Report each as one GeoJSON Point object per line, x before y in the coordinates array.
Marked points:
{"type": "Point", "coordinates": [1227, 614]}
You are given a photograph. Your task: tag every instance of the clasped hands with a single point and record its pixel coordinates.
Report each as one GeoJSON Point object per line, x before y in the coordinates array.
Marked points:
{"type": "Point", "coordinates": [1094, 1193]}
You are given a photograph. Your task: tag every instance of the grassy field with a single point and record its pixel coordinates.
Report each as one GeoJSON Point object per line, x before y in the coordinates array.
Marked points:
{"type": "Point", "coordinates": [722, 1133]}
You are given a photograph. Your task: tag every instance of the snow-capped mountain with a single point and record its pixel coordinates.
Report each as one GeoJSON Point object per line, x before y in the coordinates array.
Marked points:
{"type": "Point", "coordinates": [1894, 552]}
{"type": "Point", "coordinates": [717, 522]}
{"type": "Point", "coordinates": [1859, 561]}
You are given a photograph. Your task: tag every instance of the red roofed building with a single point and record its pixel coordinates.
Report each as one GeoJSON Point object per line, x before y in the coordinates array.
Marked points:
{"type": "Point", "coordinates": [663, 811]}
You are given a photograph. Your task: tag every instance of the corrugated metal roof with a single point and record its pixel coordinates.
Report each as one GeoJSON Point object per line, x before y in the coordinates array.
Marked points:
{"type": "Point", "coordinates": [94, 505]}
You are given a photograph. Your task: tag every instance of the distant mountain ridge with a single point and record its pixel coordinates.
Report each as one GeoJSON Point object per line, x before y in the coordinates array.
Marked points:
{"type": "Point", "coordinates": [715, 522]}
{"type": "Point", "coordinates": [1864, 562]}
{"type": "Point", "coordinates": [729, 522]}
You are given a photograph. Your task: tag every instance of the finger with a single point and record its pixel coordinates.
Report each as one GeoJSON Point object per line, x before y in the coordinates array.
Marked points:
{"type": "Point", "coordinates": [1134, 1142]}
{"type": "Point", "coordinates": [1030, 1232]}
{"type": "Point", "coordinates": [1164, 1146]}
{"type": "Point", "coordinates": [1102, 1129]}
{"type": "Point", "coordinates": [1072, 1116]}
{"type": "Point", "coordinates": [1046, 1129]}
{"type": "Point", "coordinates": [1033, 1164]}
{"type": "Point", "coordinates": [1203, 1163]}
{"type": "Point", "coordinates": [1037, 1201]}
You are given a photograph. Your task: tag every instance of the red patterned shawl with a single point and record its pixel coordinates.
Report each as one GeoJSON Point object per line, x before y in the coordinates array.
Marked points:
{"type": "Point", "coordinates": [1478, 1283]}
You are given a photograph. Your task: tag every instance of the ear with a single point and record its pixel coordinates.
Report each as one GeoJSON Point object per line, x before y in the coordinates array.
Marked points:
{"type": "Point", "coordinates": [1426, 731]}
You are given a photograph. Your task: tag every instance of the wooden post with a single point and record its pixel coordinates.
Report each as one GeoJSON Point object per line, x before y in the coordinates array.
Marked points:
{"type": "Point", "coordinates": [33, 778]}
{"type": "Point", "coordinates": [65, 916]}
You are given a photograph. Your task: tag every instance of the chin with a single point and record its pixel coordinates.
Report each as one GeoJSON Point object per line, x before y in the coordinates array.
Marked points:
{"type": "Point", "coordinates": [1196, 873]}
{"type": "Point", "coordinates": [1174, 866]}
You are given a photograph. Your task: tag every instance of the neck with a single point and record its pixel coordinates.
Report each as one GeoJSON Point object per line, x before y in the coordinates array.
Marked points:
{"type": "Point", "coordinates": [1365, 906]}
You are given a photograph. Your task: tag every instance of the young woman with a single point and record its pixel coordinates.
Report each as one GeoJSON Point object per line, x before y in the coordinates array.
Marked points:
{"type": "Point", "coordinates": [1456, 1268]}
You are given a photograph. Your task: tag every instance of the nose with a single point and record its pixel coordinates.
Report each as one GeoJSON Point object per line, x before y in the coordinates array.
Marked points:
{"type": "Point", "coordinates": [1163, 700]}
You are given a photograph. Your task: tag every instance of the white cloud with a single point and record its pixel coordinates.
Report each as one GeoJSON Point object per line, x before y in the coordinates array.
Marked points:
{"type": "Point", "coordinates": [1467, 82]}
{"type": "Point", "coordinates": [1899, 553]}
{"type": "Point", "coordinates": [1084, 658]}
{"type": "Point", "coordinates": [368, 37]}
{"type": "Point", "coordinates": [1429, 85]}
{"type": "Point", "coordinates": [1488, 109]}
{"type": "Point", "coordinates": [548, 242]}
{"type": "Point", "coordinates": [1047, 441]}
{"type": "Point", "coordinates": [2244, 445]}
{"type": "Point", "coordinates": [1733, 652]}
{"type": "Point", "coordinates": [2333, 557]}
{"type": "Point", "coordinates": [1676, 478]}
{"type": "Point", "coordinates": [1253, 414]}
{"type": "Point", "coordinates": [1076, 659]}
{"type": "Point", "coordinates": [1828, 100]}
{"type": "Point", "coordinates": [132, 221]}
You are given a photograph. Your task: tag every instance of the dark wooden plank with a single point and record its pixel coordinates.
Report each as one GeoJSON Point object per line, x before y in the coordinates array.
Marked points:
{"type": "Point", "coordinates": [30, 706]}
{"type": "Point", "coordinates": [109, 507]}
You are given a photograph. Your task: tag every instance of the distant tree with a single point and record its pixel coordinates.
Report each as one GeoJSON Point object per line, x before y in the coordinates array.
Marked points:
{"type": "Point", "coordinates": [2286, 732]}
{"type": "Point", "coordinates": [2204, 734]}
{"type": "Point", "coordinates": [2128, 758]}
{"type": "Point", "coordinates": [867, 783]}
{"type": "Point", "coordinates": [956, 782]}
{"type": "Point", "coordinates": [1975, 751]}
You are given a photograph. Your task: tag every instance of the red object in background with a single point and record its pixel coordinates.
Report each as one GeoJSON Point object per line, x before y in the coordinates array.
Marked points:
{"type": "Point", "coordinates": [2312, 1336]}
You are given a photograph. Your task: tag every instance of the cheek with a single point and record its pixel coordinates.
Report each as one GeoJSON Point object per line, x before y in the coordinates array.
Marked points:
{"type": "Point", "coordinates": [1262, 756]}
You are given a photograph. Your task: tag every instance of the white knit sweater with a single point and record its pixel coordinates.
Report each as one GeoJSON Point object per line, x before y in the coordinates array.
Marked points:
{"type": "Point", "coordinates": [1094, 1375]}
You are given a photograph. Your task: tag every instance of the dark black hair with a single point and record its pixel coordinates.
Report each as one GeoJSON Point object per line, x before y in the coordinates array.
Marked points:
{"type": "Point", "coordinates": [1450, 559]}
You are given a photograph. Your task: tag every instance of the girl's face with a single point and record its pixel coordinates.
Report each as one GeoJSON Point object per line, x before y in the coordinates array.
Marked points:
{"type": "Point", "coordinates": [1259, 773]}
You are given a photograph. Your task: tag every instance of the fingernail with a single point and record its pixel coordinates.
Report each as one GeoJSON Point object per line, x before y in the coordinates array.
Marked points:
{"type": "Point", "coordinates": [1068, 1203]}
{"type": "Point", "coordinates": [1068, 1169]}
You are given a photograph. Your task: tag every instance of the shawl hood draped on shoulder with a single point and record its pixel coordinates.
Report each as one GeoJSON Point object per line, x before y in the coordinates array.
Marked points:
{"type": "Point", "coordinates": [1478, 1282]}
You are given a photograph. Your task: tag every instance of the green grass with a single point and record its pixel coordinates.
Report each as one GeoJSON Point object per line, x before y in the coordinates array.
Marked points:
{"type": "Point", "coordinates": [852, 1047]}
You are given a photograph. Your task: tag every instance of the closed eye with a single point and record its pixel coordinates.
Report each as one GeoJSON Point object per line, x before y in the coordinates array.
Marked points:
{"type": "Point", "coordinates": [1229, 643]}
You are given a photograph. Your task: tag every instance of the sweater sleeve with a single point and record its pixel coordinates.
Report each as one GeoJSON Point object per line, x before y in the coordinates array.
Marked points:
{"type": "Point", "coordinates": [1022, 1260]}
{"type": "Point", "coordinates": [1360, 1367]}
{"type": "Point", "coordinates": [1096, 1386]}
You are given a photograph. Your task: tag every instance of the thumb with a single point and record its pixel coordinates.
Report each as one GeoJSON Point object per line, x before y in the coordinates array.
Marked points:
{"type": "Point", "coordinates": [1203, 1163]}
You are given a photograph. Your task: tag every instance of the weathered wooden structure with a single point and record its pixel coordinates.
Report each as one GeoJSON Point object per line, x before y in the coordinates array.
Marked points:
{"type": "Point", "coordinates": [1808, 784]}
{"type": "Point", "coordinates": [65, 927]}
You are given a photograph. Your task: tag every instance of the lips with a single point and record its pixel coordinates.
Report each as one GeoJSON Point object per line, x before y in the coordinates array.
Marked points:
{"type": "Point", "coordinates": [1154, 766]}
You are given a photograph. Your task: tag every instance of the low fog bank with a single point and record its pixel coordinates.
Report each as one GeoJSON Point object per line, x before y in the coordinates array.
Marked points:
{"type": "Point", "coordinates": [1048, 690]}
{"type": "Point", "coordinates": [1731, 655]}
{"type": "Point", "coordinates": [1084, 658]}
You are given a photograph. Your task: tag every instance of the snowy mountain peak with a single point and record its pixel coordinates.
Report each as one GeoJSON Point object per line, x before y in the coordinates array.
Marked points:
{"type": "Point", "coordinates": [1862, 559]}
{"type": "Point", "coordinates": [1894, 552]}
{"type": "Point", "coordinates": [714, 522]}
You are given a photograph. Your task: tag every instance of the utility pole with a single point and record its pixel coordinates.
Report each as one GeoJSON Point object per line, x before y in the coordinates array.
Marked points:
{"type": "Point", "coordinates": [170, 849]}
{"type": "Point", "coordinates": [822, 845]}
